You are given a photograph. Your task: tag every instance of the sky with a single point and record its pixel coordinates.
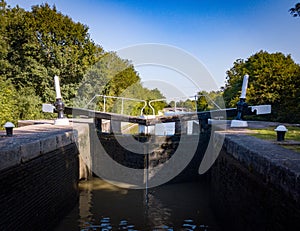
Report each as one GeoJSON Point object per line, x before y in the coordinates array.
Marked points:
{"type": "Point", "coordinates": [215, 32]}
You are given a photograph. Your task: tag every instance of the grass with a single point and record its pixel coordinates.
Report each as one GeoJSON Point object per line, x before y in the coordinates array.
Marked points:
{"type": "Point", "coordinates": [293, 134]}
{"type": "Point", "coordinates": [130, 128]}
{"type": "Point", "coordinates": [295, 148]}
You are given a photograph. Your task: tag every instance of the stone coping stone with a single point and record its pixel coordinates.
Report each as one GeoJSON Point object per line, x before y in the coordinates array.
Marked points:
{"type": "Point", "coordinates": [275, 165]}
{"type": "Point", "coordinates": [30, 141]}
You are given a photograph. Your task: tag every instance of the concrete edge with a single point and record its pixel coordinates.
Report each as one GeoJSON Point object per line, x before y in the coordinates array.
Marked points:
{"type": "Point", "coordinates": [21, 149]}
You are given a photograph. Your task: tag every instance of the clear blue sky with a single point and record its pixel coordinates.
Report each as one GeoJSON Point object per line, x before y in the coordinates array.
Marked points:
{"type": "Point", "coordinates": [216, 32]}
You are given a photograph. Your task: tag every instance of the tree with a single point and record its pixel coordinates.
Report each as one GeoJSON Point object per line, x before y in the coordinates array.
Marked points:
{"type": "Point", "coordinates": [4, 46]}
{"type": "Point", "coordinates": [153, 94]}
{"type": "Point", "coordinates": [188, 104]}
{"type": "Point", "coordinates": [295, 11]}
{"type": "Point", "coordinates": [8, 103]}
{"type": "Point", "coordinates": [137, 91]}
{"type": "Point", "coordinates": [36, 45]}
{"type": "Point", "coordinates": [113, 76]}
{"type": "Point", "coordinates": [44, 43]}
{"type": "Point", "coordinates": [29, 105]}
{"type": "Point", "coordinates": [210, 100]}
{"type": "Point", "coordinates": [97, 79]}
{"type": "Point", "coordinates": [273, 79]}
{"type": "Point", "coordinates": [110, 76]}
{"type": "Point", "coordinates": [202, 104]}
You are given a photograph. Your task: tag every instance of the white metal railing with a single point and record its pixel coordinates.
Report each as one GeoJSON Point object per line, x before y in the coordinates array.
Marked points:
{"type": "Point", "coordinates": [122, 102]}
{"type": "Point", "coordinates": [175, 99]}
{"type": "Point", "coordinates": [196, 97]}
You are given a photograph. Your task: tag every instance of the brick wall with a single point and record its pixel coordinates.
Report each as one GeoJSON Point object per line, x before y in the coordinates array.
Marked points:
{"type": "Point", "coordinates": [160, 149]}
{"type": "Point", "coordinates": [34, 195]}
{"type": "Point", "coordinates": [255, 185]}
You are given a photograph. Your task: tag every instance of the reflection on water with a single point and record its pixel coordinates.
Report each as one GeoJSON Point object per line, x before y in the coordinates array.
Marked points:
{"type": "Point", "coordinates": [103, 206]}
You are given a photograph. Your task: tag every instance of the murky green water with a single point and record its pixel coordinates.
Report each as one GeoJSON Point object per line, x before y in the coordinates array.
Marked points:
{"type": "Point", "coordinates": [102, 206]}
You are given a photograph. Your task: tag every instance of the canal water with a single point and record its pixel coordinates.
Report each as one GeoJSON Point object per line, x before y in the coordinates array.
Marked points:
{"type": "Point", "coordinates": [178, 206]}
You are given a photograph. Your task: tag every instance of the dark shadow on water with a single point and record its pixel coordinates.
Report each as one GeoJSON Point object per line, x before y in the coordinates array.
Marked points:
{"type": "Point", "coordinates": [179, 206]}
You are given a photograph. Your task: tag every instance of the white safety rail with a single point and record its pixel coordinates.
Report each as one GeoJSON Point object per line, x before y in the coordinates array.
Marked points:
{"type": "Point", "coordinates": [122, 102]}
{"type": "Point", "coordinates": [177, 99]}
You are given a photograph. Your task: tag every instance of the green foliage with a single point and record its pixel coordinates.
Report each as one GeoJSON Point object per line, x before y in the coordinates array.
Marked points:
{"type": "Point", "coordinates": [114, 77]}
{"type": "Point", "coordinates": [202, 104]}
{"type": "Point", "coordinates": [188, 104]}
{"type": "Point", "coordinates": [29, 105]}
{"type": "Point", "coordinates": [212, 100]}
{"type": "Point", "coordinates": [95, 79]}
{"type": "Point", "coordinates": [153, 94]}
{"type": "Point", "coordinates": [44, 43]}
{"type": "Point", "coordinates": [8, 103]}
{"type": "Point", "coordinates": [22, 104]}
{"type": "Point", "coordinates": [273, 79]}
{"type": "Point", "coordinates": [137, 91]}
{"type": "Point", "coordinates": [116, 86]}
{"type": "Point", "coordinates": [110, 76]}
{"type": "Point", "coordinates": [295, 11]}
{"type": "Point", "coordinates": [36, 45]}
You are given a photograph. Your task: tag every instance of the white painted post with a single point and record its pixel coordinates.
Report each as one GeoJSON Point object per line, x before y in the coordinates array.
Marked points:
{"type": "Point", "coordinates": [57, 87]}
{"type": "Point", "coordinates": [244, 87]}
{"type": "Point", "coordinates": [104, 102]}
{"type": "Point", "coordinates": [241, 105]}
{"type": "Point", "coordinates": [59, 105]}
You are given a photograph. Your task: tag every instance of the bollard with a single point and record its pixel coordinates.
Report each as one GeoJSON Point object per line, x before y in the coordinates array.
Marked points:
{"type": "Point", "coordinates": [281, 130]}
{"type": "Point", "coordinates": [9, 128]}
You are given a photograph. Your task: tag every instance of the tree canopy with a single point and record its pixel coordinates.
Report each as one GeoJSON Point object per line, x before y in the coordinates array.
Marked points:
{"type": "Point", "coordinates": [273, 79]}
{"type": "Point", "coordinates": [114, 77]}
{"type": "Point", "coordinates": [43, 43]}
{"type": "Point", "coordinates": [36, 45]}
{"type": "Point", "coordinates": [295, 11]}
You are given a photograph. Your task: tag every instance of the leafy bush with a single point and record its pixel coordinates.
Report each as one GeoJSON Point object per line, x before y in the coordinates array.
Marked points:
{"type": "Point", "coordinates": [8, 103]}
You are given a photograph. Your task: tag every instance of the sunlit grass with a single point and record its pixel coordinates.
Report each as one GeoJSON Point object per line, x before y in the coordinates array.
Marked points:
{"type": "Point", "coordinates": [130, 128]}
{"type": "Point", "coordinates": [295, 148]}
{"type": "Point", "coordinates": [293, 134]}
